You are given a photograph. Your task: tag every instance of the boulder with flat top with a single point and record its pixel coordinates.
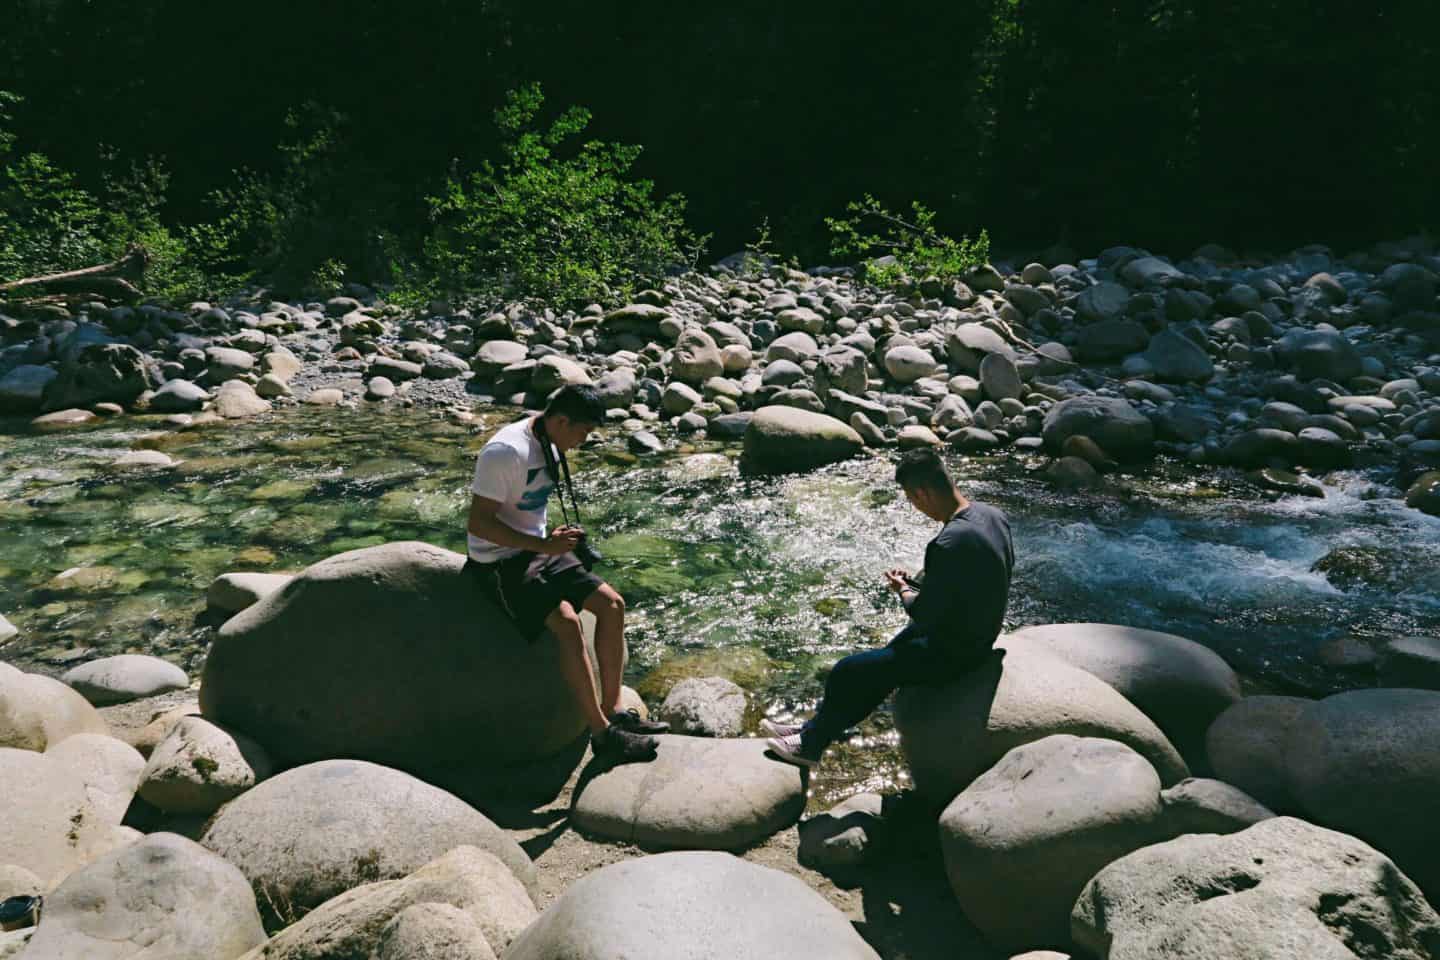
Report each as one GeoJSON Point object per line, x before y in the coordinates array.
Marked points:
{"type": "Point", "coordinates": [395, 654]}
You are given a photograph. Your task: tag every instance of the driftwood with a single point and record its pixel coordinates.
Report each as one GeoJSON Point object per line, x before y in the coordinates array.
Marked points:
{"type": "Point", "coordinates": [115, 281]}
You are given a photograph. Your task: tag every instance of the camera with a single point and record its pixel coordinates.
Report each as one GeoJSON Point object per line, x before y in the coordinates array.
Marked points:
{"type": "Point", "coordinates": [586, 554]}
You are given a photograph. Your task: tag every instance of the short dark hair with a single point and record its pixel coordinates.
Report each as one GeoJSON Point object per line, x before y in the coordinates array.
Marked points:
{"type": "Point", "coordinates": [922, 468]}
{"type": "Point", "coordinates": [579, 402]}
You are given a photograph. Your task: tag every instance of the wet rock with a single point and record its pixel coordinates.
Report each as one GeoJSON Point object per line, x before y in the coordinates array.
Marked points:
{"type": "Point", "coordinates": [1023, 839]}
{"type": "Point", "coordinates": [951, 733]}
{"type": "Point", "coordinates": [734, 908]}
{"type": "Point", "coordinates": [325, 397]}
{"type": "Point", "coordinates": [1263, 446]}
{"type": "Point", "coordinates": [128, 676]}
{"type": "Point", "coordinates": [349, 689]}
{"type": "Point", "coordinates": [1283, 888]}
{"type": "Point", "coordinates": [1424, 494]}
{"type": "Point", "coordinates": [199, 767]}
{"type": "Point", "coordinates": [705, 707]}
{"type": "Point", "coordinates": [163, 897]}
{"type": "Point", "coordinates": [318, 830]}
{"type": "Point", "coordinates": [1286, 482]}
{"type": "Point", "coordinates": [143, 460]}
{"type": "Point", "coordinates": [1120, 429]}
{"type": "Point", "coordinates": [1411, 662]}
{"type": "Point", "coordinates": [1179, 684]}
{"type": "Point", "coordinates": [697, 794]}
{"type": "Point", "coordinates": [63, 419]}
{"type": "Point", "coordinates": [379, 388]}
{"type": "Point", "coordinates": [781, 439]}
{"type": "Point", "coordinates": [1246, 745]}
{"type": "Point", "coordinates": [1364, 762]}
{"type": "Point", "coordinates": [1072, 473]}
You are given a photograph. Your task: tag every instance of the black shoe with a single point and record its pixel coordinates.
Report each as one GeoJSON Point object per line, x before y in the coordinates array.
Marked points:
{"type": "Point", "coordinates": [631, 721]}
{"type": "Point", "coordinates": [618, 745]}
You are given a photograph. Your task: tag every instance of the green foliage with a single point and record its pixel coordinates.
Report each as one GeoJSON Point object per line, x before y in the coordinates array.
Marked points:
{"type": "Point", "coordinates": [760, 254]}
{"type": "Point", "coordinates": [918, 249]}
{"type": "Point", "coordinates": [553, 218]}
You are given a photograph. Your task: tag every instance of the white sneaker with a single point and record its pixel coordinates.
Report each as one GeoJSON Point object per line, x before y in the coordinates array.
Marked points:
{"type": "Point", "coordinates": [774, 728]}
{"type": "Point", "coordinates": [790, 750]}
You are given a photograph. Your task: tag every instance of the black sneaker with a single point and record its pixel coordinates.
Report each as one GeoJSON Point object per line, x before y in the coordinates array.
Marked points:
{"type": "Point", "coordinates": [618, 745]}
{"type": "Point", "coordinates": [630, 720]}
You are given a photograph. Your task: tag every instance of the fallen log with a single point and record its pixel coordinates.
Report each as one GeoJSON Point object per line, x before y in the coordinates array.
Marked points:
{"type": "Point", "coordinates": [115, 281]}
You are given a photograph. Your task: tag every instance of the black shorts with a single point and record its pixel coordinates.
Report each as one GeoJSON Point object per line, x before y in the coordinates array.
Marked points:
{"type": "Point", "coordinates": [529, 586]}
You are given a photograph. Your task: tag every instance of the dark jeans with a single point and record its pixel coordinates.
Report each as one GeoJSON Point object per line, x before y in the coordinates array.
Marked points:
{"type": "Point", "coordinates": [860, 683]}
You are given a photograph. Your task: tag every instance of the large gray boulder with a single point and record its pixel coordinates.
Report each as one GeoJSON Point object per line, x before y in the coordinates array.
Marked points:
{"type": "Point", "coordinates": [1319, 354]}
{"type": "Point", "coordinates": [52, 821]}
{"type": "Point", "coordinates": [1023, 840]}
{"type": "Point", "coordinates": [100, 373]}
{"type": "Point", "coordinates": [495, 355]}
{"type": "Point", "coordinates": [641, 319]}
{"type": "Point", "coordinates": [841, 369]}
{"type": "Point", "coordinates": [1246, 747]}
{"type": "Point", "coordinates": [109, 768]}
{"type": "Point", "coordinates": [968, 345]}
{"type": "Point", "coordinates": [697, 794]}
{"type": "Point", "coordinates": [700, 906]}
{"type": "Point", "coordinates": [354, 924]}
{"type": "Point", "coordinates": [696, 357]}
{"type": "Point", "coordinates": [1366, 762]}
{"type": "Point", "coordinates": [908, 363]}
{"type": "Point", "coordinates": [433, 931]}
{"type": "Point", "coordinates": [315, 831]}
{"type": "Point", "coordinates": [198, 767]}
{"type": "Point", "coordinates": [781, 439]}
{"type": "Point", "coordinates": [952, 732]}
{"type": "Point", "coordinates": [1121, 430]}
{"type": "Point", "coordinates": [163, 898]}
{"type": "Point", "coordinates": [1178, 683]}
{"type": "Point", "coordinates": [23, 388]}
{"type": "Point", "coordinates": [233, 592]}
{"type": "Point", "coordinates": [1281, 889]}
{"type": "Point", "coordinates": [705, 707]}
{"type": "Point", "coordinates": [333, 665]}
{"type": "Point", "coordinates": [1174, 356]}
{"type": "Point", "coordinates": [178, 396]}
{"type": "Point", "coordinates": [37, 711]}
{"type": "Point", "coordinates": [1201, 805]}
{"type": "Point", "coordinates": [1110, 340]}
{"type": "Point", "coordinates": [1103, 301]}
{"type": "Point", "coordinates": [125, 677]}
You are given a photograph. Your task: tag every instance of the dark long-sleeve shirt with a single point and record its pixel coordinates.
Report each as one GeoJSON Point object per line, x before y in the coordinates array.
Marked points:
{"type": "Point", "coordinates": [961, 601]}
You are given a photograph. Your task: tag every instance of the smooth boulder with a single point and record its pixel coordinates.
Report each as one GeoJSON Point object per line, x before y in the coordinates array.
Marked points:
{"type": "Point", "coordinates": [233, 592]}
{"type": "Point", "coordinates": [354, 924]}
{"type": "Point", "coordinates": [705, 707]}
{"type": "Point", "coordinates": [781, 439]}
{"type": "Point", "coordinates": [333, 665]}
{"type": "Point", "coordinates": [37, 711]}
{"type": "Point", "coordinates": [1122, 431]}
{"type": "Point", "coordinates": [163, 898]}
{"type": "Point", "coordinates": [1367, 762]}
{"type": "Point", "coordinates": [1246, 747]}
{"type": "Point", "coordinates": [109, 768]}
{"type": "Point", "coordinates": [126, 677]}
{"type": "Point", "coordinates": [199, 767]}
{"type": "Point", "coordinates": [1178, 683]}
{"type": "Point", "coordinates": [952, 732]}
{"type": "Point", "coordinates": [315, 831]}
{"type": "Point", "coordinates": [697, 794]}
{"type": "Point", "coordinates": [696, 905]}
{"type": "Point", "coordinates": [1282, 889]}
{"type": "Point", "coordinates": [1022, 840]}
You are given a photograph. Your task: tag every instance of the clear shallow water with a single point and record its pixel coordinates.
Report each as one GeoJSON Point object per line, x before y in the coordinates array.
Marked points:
{"type": "Point", "coordinates": [765, 580]}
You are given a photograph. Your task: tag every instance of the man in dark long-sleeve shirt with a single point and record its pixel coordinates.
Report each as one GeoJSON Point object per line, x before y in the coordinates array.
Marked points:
{"type": "Point", "coordinates": [955, 612]}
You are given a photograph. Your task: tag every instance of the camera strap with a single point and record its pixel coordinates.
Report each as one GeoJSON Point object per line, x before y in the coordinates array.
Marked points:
{"type": "Point", "coordinates": [559, 469]}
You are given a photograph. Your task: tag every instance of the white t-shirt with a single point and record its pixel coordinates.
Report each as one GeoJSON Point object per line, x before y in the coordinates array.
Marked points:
{"type": "Point", "coordinates": [511, 469]}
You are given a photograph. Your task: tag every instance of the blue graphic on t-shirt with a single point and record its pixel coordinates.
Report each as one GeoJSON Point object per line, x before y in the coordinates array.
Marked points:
{"type": "Point", "coordinates": [537, 498]}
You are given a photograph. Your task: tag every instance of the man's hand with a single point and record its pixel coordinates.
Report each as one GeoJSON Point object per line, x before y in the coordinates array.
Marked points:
{"type": "Point", "coordinates": [895, 580]}
{"type": "Point", "coordinates": [562, 540]}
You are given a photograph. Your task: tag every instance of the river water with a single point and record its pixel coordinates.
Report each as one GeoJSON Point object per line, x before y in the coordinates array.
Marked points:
{"type": "Point", "coordinates": [765, 580]}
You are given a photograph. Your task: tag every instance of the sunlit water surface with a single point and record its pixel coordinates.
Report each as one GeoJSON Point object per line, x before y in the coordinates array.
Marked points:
{"type": "Point", "coordinates": [765, 580]}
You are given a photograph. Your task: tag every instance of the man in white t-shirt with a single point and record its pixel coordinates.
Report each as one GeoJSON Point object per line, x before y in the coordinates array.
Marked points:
{"type": "Point", "coordinates": [535, 576]}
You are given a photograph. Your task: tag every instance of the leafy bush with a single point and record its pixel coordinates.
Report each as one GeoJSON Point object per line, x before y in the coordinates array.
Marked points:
{"type": "Point", "coordinates": [552, 219]}
{"type": "Point", "coordinates": [918, 249]}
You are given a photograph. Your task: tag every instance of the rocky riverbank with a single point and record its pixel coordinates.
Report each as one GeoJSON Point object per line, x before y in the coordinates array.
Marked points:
{"type": "Point", "coordinates": [1290, 368]}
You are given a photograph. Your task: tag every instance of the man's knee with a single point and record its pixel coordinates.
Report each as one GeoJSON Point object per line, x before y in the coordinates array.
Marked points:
{"type": "Point", "coordinates": [565, 624]}
{"type": "Point", "coordinates": [606, 602]}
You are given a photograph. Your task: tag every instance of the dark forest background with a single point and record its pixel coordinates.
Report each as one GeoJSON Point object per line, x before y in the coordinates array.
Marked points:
{"type": "Point", "coordinates": [1261, 124]}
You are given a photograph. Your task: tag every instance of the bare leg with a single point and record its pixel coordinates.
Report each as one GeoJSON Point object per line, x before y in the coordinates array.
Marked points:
{"type": "Point", "coordinates": [575, 665]}
{"type": "Point", "coordinates": [609, 609]}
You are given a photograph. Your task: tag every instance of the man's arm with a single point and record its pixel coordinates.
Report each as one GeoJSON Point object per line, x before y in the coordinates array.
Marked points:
{"type": "Point", "coordinates": [484, 524]}
{"type": "Point", "coordinates": [933, 608]}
